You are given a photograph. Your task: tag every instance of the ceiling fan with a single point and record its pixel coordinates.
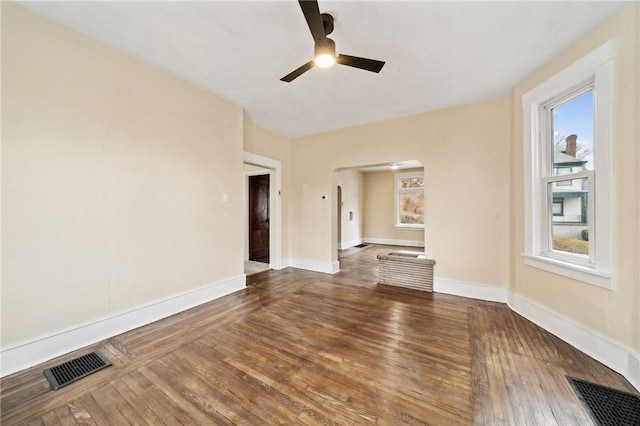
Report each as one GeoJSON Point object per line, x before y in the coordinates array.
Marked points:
{"type": "Point", "coordinates": [321, 25]}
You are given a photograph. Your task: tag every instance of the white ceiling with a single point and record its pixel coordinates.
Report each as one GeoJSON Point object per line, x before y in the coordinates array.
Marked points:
{"type": "Point", "coordinates": [438, 54]}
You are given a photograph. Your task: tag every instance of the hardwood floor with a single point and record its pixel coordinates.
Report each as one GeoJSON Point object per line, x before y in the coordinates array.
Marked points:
{"type": "Point", "coordinates": [299, 347]}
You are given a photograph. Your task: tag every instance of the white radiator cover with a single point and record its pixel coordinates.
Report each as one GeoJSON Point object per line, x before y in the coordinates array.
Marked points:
{"type": "Point", "coordinates": [406, 269]}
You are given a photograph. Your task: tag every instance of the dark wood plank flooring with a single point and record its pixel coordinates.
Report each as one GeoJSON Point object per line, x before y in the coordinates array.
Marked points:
{"type": "Point", "coordinates": [298, 347]}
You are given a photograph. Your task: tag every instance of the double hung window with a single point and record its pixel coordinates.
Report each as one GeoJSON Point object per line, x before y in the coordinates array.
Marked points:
{"type": "Point", "coordinates": [567, 122]}
{"type": "Point", "coordinates": [567, 175]}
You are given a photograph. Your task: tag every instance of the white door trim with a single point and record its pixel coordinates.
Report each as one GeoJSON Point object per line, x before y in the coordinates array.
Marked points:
{"type": "Point", "coordinates": [275, 228]}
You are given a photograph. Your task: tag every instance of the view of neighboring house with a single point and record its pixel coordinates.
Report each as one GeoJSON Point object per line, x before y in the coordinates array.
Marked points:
{"type": "Point", "coordinates": [569, 206]}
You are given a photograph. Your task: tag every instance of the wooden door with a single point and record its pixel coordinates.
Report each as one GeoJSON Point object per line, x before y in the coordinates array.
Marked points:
{"type": "Point", "coordinates": [259, 218]}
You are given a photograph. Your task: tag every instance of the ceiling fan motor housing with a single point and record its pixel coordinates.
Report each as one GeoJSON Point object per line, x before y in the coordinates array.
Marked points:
{"type": "Point", "coordinates": [328, 47]}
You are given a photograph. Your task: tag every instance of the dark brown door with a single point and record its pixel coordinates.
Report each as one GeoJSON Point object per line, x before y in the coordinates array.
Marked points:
{"type": "Point", "coordinates": [259, 218]}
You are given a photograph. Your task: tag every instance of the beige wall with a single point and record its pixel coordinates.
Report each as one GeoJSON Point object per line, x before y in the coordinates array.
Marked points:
{"type": "Point", "coordinates": [260, 141]}
{"type": "Point", "coordinates": [466, 155]}
{"type": "Point", "coordinates": [613, 314]}
{"type": "Point", "coordinates": [112, 180]}
{"type": "Point", "coordinates": [379, 208]}
{"type": "Point", "coordinates": [351, 182]}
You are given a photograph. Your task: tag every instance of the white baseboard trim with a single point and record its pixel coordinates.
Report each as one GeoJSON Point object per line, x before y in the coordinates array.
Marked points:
{"type": "Point", "coordinates": [25, 355]}
{"type": "Point", "coordinates": [349, 244]}
{"type": "Point", "coordinates": [611, 354]}
{"type": "Point", "coordinates": [314, 265]}
{"type": "Point", "coordinates": [472, 290]}
{"type": "Point", "coordinates": [285, 263]}
{"type": "Point", "coordinates": [391, 242]}
{"type": "Point", "coordinates": [633, 373]}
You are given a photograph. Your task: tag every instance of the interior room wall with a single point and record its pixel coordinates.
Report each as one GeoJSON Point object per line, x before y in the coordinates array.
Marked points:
{"type": "Point", "coordinates": [379, 207]}
{"type": "Point", "coordinates": [260, 141]}
{"type": "Point", "coordinates": [466, 155]}
{"type": "Point", "coordinates": [113, 175]}
{"type": "Point", "coordinates": [612, 314]}
{"type": "Point", "coordinates": [351, 182]}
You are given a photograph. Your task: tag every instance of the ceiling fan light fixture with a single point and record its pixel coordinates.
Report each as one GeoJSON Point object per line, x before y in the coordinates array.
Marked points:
{"type": "Point", "coordinates": [325, 60]}
{"type": "Point", "coordinates": [321, 25]}
{"type": "Point", "coordinates": [325, 54]}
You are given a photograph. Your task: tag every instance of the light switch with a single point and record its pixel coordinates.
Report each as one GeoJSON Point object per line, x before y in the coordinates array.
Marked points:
{"type": "Point", "coordinates": [225, 197]}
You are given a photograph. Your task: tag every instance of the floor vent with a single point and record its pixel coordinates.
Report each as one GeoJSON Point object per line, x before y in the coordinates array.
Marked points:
{"type": "Point", "coordinates": [608, 407]}
{"type": "Point", "coordinates": [70, 371]}
{"type": "Point", "coordinates": [361, 245]}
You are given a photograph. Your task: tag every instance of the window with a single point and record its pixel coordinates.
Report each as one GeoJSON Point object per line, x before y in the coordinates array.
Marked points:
{"type": "Point", "coordinates": [558, 207]}
{"type": "Point", "coordinates": [562, 170]}
{"type": "Point", "coordinates": [409, 200]}
{"type": "Point", "coordinates": [567, 161]}
{"type": "Point", "coordinates": [568, 135]}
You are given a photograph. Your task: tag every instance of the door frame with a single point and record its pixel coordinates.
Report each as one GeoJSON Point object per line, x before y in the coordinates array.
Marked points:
{"type": "Point", "coordinates": [275, 194]}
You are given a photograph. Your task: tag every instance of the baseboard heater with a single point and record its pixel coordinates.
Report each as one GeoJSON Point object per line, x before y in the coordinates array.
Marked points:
{"type": "Point", "coordinates": [406, 269]}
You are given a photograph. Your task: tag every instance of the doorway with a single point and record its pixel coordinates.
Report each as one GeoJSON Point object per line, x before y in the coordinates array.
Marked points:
{"type": "Point", "coordinates": [365, 207]}
{"type": "Point", "coordinates": [255, 165]}
{"type": "Point", "coordinates": [259, 218]}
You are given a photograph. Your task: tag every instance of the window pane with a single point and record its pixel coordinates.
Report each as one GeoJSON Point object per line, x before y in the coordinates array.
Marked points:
{"type": "Point", "coordinates": [411, 208]}
{"type": "Point", "coordinates": [573, 134]}
{"type": "Point", "coordinates": [407, 183]}
{"type": "Point", "coordinates": [568, 214]}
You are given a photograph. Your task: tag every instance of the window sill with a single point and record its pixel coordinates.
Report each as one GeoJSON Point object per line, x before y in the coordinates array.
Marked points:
{"type": "Point", "coordinates": [409, 227]}
{"type": "Point", "coordinates": [569, 270]}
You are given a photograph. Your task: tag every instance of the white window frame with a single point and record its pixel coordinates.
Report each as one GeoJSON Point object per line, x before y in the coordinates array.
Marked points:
{"type": "Point", "coordinates": [594, 69]}
{"type": "Point", "coordinates": [398, 177]}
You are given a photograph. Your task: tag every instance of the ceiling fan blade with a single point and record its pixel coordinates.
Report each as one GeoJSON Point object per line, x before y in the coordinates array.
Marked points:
{"type": "Point", "coordinates": [362, 63]}
{"type": "Point", "coordinates": [311, 13]}
{"type": "Point", "coordinates": [298, 72]}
